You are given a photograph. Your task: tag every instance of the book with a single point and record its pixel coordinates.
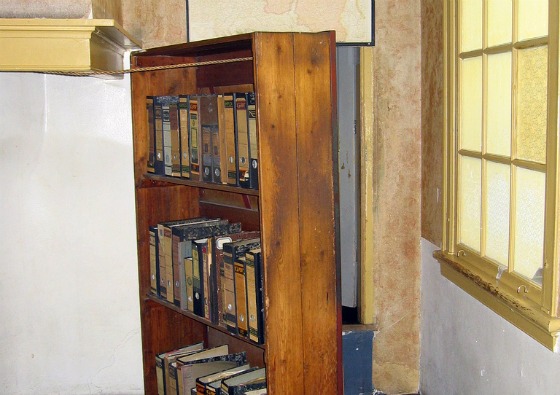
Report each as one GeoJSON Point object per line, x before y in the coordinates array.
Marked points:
{"type": "Point", "coordinates": [151, 134]}
{"type": "Point", "coordinates": [175, 138]}
{"type": "Point", "coordinates": [255, 379]}
{"type": "Point", "coordinates": [253, 143]}
{"type": "Point", "coordinates": [231, 252]}
{"type": "Point", "coordinates": [188, 372]}
{"type": "Point", "coordinates": [209, 125]}
{"type": "Point", "coordinates": [160, 364]}
{"type": "Point", "coordinates": [194, 137]}
{"type": "Point", "coordinates": [189, 282]}
{"type": "Point", "coordinates": [216, 378]}
{"type": "Point", "coordinates": [231, 139]}
{"type": "Point", "coordinates": [159, 167]}
{"type": "Point", "coordinates": [165, 255]}
{"type": "Point", "coordinates": [241, 296]}
{"type": "Point", "coordinates": [181, 233]}
{"type": "Point", "coordinates": [255, 302]}
{"type": "Point", "coordinates": [261, 391]}
{"type": "Point", "coordinates": [215, 387]}
{"type": "Point", "coordinates": [182, 249]}
{"type": "Point", "coordinates": [166, 128]}
{"type": "Point", "coordinates": [154, 275]}
{"type": "Point", "coordinates": [205, 261]}
{"type": "Point", "coordinates": [242, 139]}
{"type": "Point", "coordinates": [217, 272]}
{"type": "Point", "coordinates": [187, 359]}
{"type": "Point", "coordinates": [222, 141]}
{"type": "Point", "coordinates": [184, 136]}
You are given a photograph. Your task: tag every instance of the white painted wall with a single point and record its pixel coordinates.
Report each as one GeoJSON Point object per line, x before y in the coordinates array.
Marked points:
{"type": "Point", "coordinates": [69, 306]}
{"type": "Point", "coordinates": [468, 349]}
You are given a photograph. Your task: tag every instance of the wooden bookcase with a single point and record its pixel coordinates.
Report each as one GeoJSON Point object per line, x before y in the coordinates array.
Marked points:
{"type": "Point", "coordinates": [293, 77]}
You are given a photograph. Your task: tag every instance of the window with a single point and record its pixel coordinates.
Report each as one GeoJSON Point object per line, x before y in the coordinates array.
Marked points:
{"type": "Point", "coordinates": [501, 158]}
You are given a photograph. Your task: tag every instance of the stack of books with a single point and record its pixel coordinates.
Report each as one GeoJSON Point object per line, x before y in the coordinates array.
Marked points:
{"type": "Point", "coordinates": [194, 369]}
{"type": "Point", "coordinates": [213, 269]}
{"type": "Point", "coordinates": [211, 138]}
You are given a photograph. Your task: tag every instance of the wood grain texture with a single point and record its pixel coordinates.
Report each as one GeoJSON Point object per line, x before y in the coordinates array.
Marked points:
{"type": "Point", "coordinates": [315, 102]}
{"type": "Point", "coordinates": [274, 81]}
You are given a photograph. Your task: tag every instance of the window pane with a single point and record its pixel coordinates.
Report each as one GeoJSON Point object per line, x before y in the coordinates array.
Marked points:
{"type": "Point", "coordinates": [497, 211]}
{"type": "Point", "coordinates": [470, 104]}
{"type": "Point", "coordinates": [471, 24]}
{"type": "Point", "coordinates": [499, 22]}
{"type": "Point", "coordinates": [532, 19]}
{"type": "Point", "coordinates": [469, 202]}
{"type": "Point", "coordinates": [532, 66]}
{"type": "Point", "coordinates": [498, 120]}
{"type": "Point", "coordinates": [529, 223]}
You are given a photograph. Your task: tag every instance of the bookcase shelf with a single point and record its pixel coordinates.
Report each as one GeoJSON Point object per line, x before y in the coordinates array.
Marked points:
{"type": "Point", "coordinates": [293, 78]}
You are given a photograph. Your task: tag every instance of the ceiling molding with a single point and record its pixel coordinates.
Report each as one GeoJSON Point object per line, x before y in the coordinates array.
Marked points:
{"type": "Point", "coordinates": [63, 44]}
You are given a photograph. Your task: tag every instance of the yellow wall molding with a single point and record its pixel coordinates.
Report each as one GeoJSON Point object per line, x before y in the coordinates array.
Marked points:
{"type": "Point", "coordinates": [62, 44]}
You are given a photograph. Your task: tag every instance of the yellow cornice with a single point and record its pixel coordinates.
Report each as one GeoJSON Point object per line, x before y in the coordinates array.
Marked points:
{"type": "Point", "coordinates": [63, 44]}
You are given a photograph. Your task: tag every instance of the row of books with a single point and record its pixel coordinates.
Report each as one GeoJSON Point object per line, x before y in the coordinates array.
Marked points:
{"type": "Point", "coordinates": [211, 268]}
{"type": "Point", "coordinates": [194, 369]}
{"type": "Point", "coordinates": [210, 138]}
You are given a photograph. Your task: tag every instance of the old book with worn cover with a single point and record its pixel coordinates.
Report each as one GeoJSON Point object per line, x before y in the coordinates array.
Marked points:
{"type": "Point", "coordinates": [190, 371]}
{"type": "Point", "coordinates": [184, 136]}
{"type": "Point", "coordinates": [182, 247]}
{"type": "Point", "coordinates": [255, 379]}
{"type": "Point", "coordinates": [253, 143]}
{"type": "Point", "coordinates": [208, 111]}
{"type": "Point", "coordinates": [231, 140]}
{"type": "Point", "coordinates": [151, 134]}
{"type": "Point", "coordinates": [159, 167]}
{"type": "Point", "coordinates": [203, 381]}
{"type": "Point", "coordinates": [194, 136]}
{"type": "Point", "coordinates": [231, 252]}
{"type": "Point", "coordinates": [255, 305]}
{"type": "Point", "coordinates": [242, 139]}
{"type": "Point", "coordinates": [165, 255]}
{"type": "Point", "coordinates": [160, 363]}
{"type": "Point", "coordinates": [222, 139]}
{"type": "Point", "coordinates": [197, 356]}
{"type": "Point", "coordinates": [175, 138]}
{"type": "Point", "coordinates": [261, 391]}
{"type": "Point", "coordinates": [217, 272]}
{"type": "Point", "coordinates": [165, 102]}
{"type": "Point", "coordinates": [241, 296]}
{"type": "Point", "coordinates": [180, 251]}
{"type": "Point", "coordinates": [154, 275]}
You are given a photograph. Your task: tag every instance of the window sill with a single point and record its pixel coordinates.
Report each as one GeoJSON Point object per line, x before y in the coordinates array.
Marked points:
{"type": "Point", "coordinates": [521, 312]}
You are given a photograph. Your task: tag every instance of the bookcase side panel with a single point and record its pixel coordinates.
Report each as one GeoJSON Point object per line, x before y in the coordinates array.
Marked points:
{"type": "Point", "coordinates": [315, 103]}
{"type": "Point", "coordinates": [279, 212]}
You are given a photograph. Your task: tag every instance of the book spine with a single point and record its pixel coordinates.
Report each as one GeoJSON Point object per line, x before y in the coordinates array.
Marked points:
{"type": "Point", "coordinates": [168, 253]}
{"type": "Point", "coordinates": [222, 138]}
{"type": "Point", "coordinates": [189, 282]}
{"type": "Point", "coordinates": [176, 264]}
{"type": "Point", "coordinates": [194, 137]}
{"type": "Point", "coordinates": [151, 134]}
{"type": "Point", "coordinates": [175, 138]}
{"type": "Point", "coordinates": [251, 286]}
{"type": "Point", "coordinates": [198, 307]}
{"type": "Point", "coordinates": [159, 167]}
{"type": "Point", "coordinates": [184, 136]}
{"type": "Point", "coordinates": [161, 261]}
{"type": "Point", "coordinates": [242, 139]}
{"type": "Point", "coordinates": [209, 125]}
{"type": "Point", "coordinates": [153, 261]}
{"type": "Point", "coordinates": [166, 126]}
{"type": "Point", "coordinates": [241, 297]}
{"type": "Point", "coordinates": [253, 143]}
{"type": "Point", "coordinates": [231, 140]}
{"type": "Point", "coordinates": [230, 319]}
{"type": "Point", "coordinates": [160, 377]}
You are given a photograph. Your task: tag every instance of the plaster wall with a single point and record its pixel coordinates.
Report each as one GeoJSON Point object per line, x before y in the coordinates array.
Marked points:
{"type": "Point", "coordinates": [69, 300]}
{"type": "Point", "coordinates": [468, 349]}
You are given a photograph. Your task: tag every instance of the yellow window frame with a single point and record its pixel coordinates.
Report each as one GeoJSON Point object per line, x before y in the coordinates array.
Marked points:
{"type": "Point", "coordinates": [531, 308]}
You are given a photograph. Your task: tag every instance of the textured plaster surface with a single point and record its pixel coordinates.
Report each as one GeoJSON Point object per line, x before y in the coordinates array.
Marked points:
{"type": "Point", "coordinates": [397, 184]}
{"type": "Point", "coordinates": [432, 120]}
{"type": "Point", "coordinates": [155, 23]}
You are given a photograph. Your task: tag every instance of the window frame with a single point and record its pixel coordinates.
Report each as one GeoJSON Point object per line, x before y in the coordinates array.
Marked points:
{"type": "Point", "coordinates": [530, 308]}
